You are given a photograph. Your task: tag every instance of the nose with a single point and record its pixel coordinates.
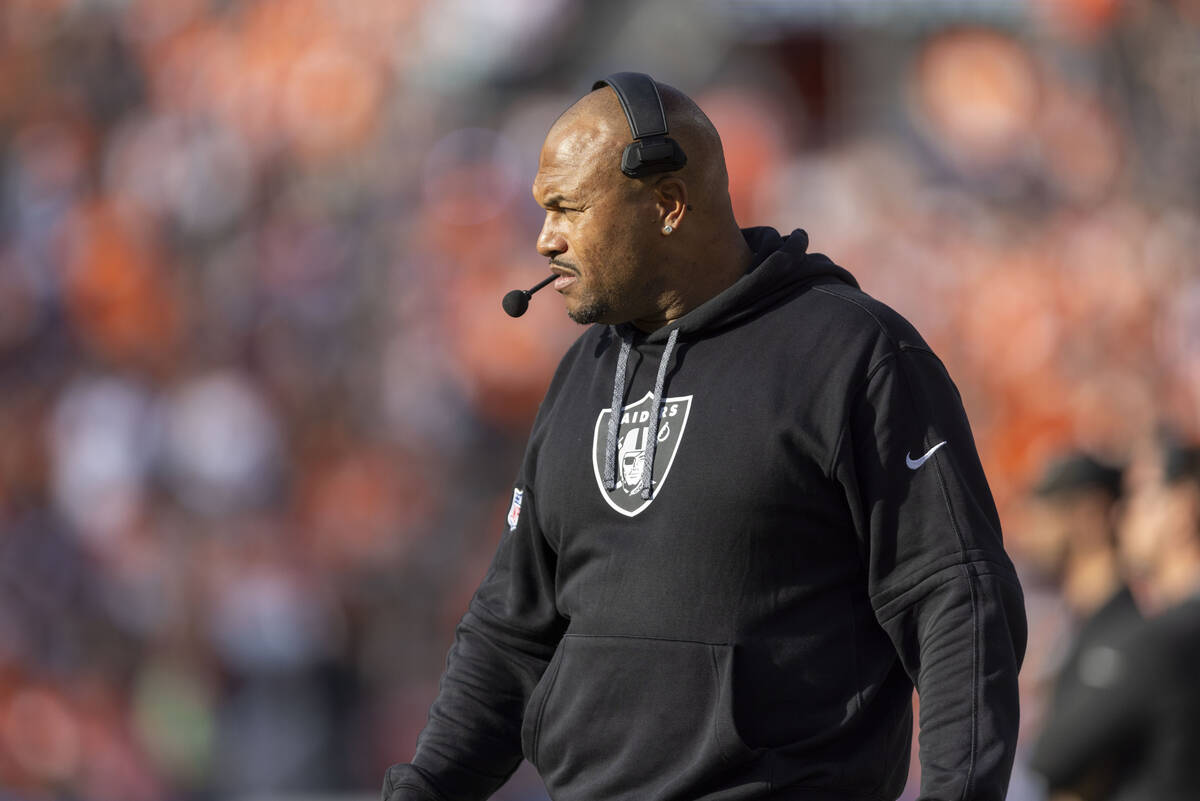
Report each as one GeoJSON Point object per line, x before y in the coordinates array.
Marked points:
{"type": "Point", "coordinates": [550, 242]}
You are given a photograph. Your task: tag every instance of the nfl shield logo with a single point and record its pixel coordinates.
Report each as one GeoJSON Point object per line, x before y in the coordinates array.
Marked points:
{"type": "Point", "coordinates": [631, 450]}
{"type": "Point", "coordinates": [514, 511]}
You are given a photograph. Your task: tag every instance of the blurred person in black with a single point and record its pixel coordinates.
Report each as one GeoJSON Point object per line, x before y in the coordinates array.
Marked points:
{"type": "Point", "coordinates": [1071, 539]}
{"type": "Point", "coordinates": [750, 518]}
{"type": "Point", "coordinates": [1131, 731]}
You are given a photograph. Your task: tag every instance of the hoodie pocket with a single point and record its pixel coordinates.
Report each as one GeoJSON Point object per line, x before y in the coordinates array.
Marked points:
{"type": "Point", "coordinates": [630, 717]}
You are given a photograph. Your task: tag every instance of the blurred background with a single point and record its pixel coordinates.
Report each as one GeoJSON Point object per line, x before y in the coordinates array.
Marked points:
{"type": "Point", "coordinates": [260, 408]}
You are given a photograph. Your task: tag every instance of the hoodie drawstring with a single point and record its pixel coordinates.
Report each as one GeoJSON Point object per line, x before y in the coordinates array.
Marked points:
{"type": "Point", "coordinates": [645, 486]}
{"type": "Point", "coordinates": [655, 405]}
{"type": "Point", "coordinates": [614, 417]}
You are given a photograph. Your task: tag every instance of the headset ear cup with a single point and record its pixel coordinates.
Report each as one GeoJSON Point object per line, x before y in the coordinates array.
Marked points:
{"type": "Point", "coordinates": [631, 160]}
{"type": "Point", "coordinates": [648, 157]}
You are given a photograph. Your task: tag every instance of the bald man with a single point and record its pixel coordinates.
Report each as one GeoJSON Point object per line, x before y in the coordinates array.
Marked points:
{"type": "Point", "coordinates": [749, 520]}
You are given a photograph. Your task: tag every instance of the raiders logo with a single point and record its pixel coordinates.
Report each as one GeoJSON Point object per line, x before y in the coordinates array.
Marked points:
{"type": "Point", "coordinates": [631, 450]}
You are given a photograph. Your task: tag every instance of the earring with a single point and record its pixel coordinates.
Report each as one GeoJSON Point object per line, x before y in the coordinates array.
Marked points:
{"type": "Point", "coordinates": [667, 229]}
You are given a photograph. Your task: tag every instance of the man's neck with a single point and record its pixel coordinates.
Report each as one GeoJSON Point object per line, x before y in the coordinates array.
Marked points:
{"type": "Point", "coordinates": [706, 273]}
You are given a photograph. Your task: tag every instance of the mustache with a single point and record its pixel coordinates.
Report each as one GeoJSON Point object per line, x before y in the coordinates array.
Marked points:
{"type": "Point", "coordinates": [565, 266]}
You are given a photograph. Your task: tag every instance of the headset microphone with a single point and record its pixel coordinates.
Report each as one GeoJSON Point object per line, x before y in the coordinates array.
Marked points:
{"type": "Point", "coordinates": [516, 302]}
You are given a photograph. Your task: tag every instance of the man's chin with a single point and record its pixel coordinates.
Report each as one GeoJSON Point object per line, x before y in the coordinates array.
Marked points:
{"type": "Point", "coordinates": [589, 313]}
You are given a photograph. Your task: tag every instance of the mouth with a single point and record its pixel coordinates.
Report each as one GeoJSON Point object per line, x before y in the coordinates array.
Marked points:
{"type": "Point", "coordinates": [566, 276]}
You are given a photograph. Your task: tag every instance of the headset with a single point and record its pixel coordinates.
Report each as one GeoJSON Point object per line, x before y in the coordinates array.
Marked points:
{"type": "Point", "coordinates": [651, 150]}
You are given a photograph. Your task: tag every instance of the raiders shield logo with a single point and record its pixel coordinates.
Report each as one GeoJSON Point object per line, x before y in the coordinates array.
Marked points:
{"type": "Point", "coordinates": [631, 450]}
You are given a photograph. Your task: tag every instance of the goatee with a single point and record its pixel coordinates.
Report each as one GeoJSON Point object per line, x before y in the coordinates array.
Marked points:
{"type": "Point", "coordinates": [590, 313]}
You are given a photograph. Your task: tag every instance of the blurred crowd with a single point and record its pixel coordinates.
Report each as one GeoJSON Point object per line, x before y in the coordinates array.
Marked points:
{"type": "Point", "coordinates": [260, 408]}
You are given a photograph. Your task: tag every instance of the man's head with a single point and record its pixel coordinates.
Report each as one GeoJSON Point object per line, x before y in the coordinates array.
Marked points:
{"type": "Point", "coordinates": [1072, 512]}
{"type": "Point", "coordinates": [625, 246]}
{"type": "Point", "coordinates": [1160, 540]}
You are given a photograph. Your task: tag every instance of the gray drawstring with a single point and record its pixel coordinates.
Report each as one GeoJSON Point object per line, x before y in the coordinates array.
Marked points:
{"type": "Point", "coordinates": [655, 405]}
{"type": "Point", "coordinates": [614, 418]}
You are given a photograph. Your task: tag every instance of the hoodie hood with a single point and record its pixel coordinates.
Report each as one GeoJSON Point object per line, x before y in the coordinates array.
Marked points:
{"type": "Point", "coordinates": [781, 265]}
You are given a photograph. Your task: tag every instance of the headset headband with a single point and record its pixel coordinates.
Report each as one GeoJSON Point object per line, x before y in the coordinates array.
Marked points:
{"type": "Point", "coordinates": [651, 150]}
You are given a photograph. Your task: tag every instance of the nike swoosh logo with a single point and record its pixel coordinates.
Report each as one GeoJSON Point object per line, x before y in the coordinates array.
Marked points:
{"type": "Point", "coordinates": [913, 464]}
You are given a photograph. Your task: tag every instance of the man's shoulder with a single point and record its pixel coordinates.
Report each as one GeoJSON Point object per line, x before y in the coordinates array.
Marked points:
{"type": "Point", "coordinates": [848, 313]}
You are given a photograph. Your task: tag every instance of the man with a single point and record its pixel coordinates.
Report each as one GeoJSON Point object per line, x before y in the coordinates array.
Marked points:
{"type": "Point", "coordinates": [812, 533]}
{"type": "Point", "coordinates": [1071, 538]}
{"type": "Point", "coordinates": [1132, 730]}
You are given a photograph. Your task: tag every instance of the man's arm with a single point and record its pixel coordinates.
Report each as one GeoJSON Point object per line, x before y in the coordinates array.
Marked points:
{"type": "Point", "coordinates": [940, 582]}
{"type": "Point", "coordinates": [472, 742]}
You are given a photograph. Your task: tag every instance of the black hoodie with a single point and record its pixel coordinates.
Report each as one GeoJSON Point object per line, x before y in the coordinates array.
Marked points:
{"type": "Point", "coordinates": [818, 537]}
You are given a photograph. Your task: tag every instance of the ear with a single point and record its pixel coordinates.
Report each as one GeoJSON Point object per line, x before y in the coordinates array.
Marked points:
{"type": "Point", "coordinates": [671, 198]}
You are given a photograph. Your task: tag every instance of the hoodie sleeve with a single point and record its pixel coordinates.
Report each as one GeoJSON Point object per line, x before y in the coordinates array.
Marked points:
{"type": "Point", "coordinates": [472, 741]}
{"type": "Point", "coordinates": [940, 582]}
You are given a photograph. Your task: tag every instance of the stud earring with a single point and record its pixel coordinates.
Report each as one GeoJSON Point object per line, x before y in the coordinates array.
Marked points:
{"type": "Point", "coordinates": [667, 229]}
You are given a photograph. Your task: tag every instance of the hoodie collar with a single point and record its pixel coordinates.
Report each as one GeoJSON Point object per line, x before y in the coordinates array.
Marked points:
{"type": "Point", "coordinates": [780, 265]}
